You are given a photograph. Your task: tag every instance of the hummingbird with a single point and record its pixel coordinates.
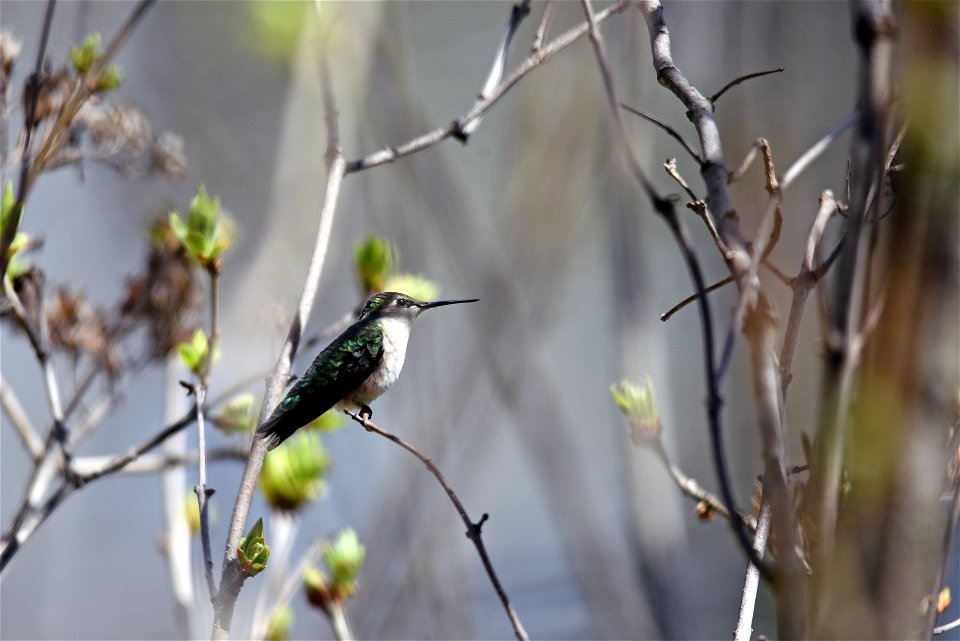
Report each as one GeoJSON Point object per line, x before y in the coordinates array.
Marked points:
{"type": "Point", "coordinates": [355, 368]}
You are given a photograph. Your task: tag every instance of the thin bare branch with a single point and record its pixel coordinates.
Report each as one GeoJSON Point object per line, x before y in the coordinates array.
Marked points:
{"type": "Point", "coordinates": [34, 83]}
{"type": "Point", "coordinates": [390, 154]}
{"type": "Point", "coordinates": [737, 81]}
{"type": "Point", "coordinates": [231, 580]}
{"type": "Point", "coordinates": [519, 11]}
{"type": "Point", "coordinates": [751, 582]}
{"type": "Point", "coordinates": [473, 528]}
{"type": "Point", "coordinates": [542, 28]}
{"type": "Point", "coordinates": [667, 128]}
{"type": "Point", "coordinates": [199, 392]}
{"type": "Point", "coordinates": [693, 297]}
{"type": "Point", "coordinates": [21, 422]}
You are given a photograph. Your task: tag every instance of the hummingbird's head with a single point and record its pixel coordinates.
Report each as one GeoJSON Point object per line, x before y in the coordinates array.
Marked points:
{"type": "Point", "coordinates": [400, 306]}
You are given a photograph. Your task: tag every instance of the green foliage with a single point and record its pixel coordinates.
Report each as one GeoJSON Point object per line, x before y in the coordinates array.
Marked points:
{"type": "Point", "coordinates": [253, 551]}
{"type": "Point", "coordinates": [277, 26]}
{"type": "Point", "coordinates": [8, 205]}
{"type": "Point", "coordinates": [343, 559]}
{"type": "Point", "coordinates": [110, 79]}
{"type": "Point", "coordinates": [418, 287]}
{"type": "Point", "coordinates": [238, 415]}
{"type": "Point", "coordinates": [86, 54]}
{"type": "Point", "coordinates": [637, 403]}
{"type": "Point", "coordinates": [375, 259]}
{"type": "Point", "coordinates": [293, 473]}
{"type": "Point", "coordinates": [205, 235]}
{"type": "Point", "coordinates": [329, 421]}
{"type": "Point", "coordinates": [278, 628]}
{"type": "Point", "coordinates": [195, 354]}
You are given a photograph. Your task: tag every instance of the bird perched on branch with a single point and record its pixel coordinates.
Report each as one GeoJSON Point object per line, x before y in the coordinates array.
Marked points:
{"type": "Point", "coordinates": [353, 370]}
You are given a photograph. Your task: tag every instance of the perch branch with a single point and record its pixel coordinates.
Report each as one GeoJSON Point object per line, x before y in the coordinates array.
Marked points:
{"type": "Point", "coordinates": [473, 528]}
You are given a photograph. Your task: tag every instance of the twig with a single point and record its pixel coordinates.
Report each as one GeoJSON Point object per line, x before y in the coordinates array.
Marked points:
{"type": "Point", "coordinates": [542, 28]}
{"type": "Point", "coordinates": [803, 283]}
{"type": "Point", "coordinates": [667, 128]}
{"type": "Point", "coordinates": [87, 465]}
{"type": "Point", "coordinates": [693, 297]}
{"type": "Point", "coordinates": [666, 210]}
{"type": "Point", "coordinates": [21, 422]}
{"type": "Point", "coordinates": [670, 165]}
{"type": "Point", "coordinates": [30, 517]}
{"type": "Point", "coordinates": [473, 528]}
{"type": "Point", "coordinates": [737, 81]}
{"type": "Point", "coordinates": [519, 11]}
{"type": "Point", "coordinates": [199, 392]}
{"type": "Point", "coordinates": [751, 582]}
{"type": "Point", "coordinates": [690, 487]}
{"type": "Point", "coordinates": [390, 154]}
{"type": "Point", "coordinates": [946, 627]}
{"type": "Point", "coordinates": [231, 580]}
{"type": "Point", "coordinates": [34, 83]}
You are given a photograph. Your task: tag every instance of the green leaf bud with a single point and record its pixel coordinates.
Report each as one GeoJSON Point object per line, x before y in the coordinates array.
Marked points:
{"type": "Point", "coordinates": [637, 403]}
{"type": "Point", "coordinates": [253, 551]}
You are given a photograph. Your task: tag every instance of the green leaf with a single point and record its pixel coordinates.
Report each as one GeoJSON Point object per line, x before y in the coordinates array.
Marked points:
{"type": "Point", "coordinates": [110, 79]}
{"type": "Point", "coordinates": [374, 259]}
{"type": "Point", "coordinates": [206, 233]}
{"type": "Point", "coordinates": [638, 405]}
{"type": "Point", "coordinates": [329, 421]}
{"type": "Point", "coordinates": [418, 287]}
{"type": "Point", "coordinates": [6, 204]}
{"type": "Point", "coordinates": [238, 415]}
{"type": "Point", "coordinates": [86, 54]}
{"type": "Point", "coordinates": [293, 474]}
{"type": "Point", "coordinates": [344, 558]}
{"type": "Point", "coordinates": [278, 628]}
{"type": "Point", "coordinates": [195, 353]}
{"type": "Point", "coordinates": [253, 551]}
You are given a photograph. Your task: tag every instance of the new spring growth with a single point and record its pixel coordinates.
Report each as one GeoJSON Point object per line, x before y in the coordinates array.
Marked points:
{"type": "Point", "coordinates": [638, 405]}
{"type": "Point", "coordinates": [15, 266]}
{"type": "Point", "coordinates": [253, 551]}
{"type": "Point", "coordinates": [293, 473]}
{"type": "Point", "coordinates": [194, 354]}
{"type": "Point", "coordinates": [206, 234]}
{"type": "Point", "coordinates": [86, 55]}
{"type": "Point", "coordinates": [237, 416]}
{"type": "Point", "coordinates": [343, 559]}
{"type": "Point", "coordinates": [375, 260]}
{"type": "Point", "coordinates": [278, 628]}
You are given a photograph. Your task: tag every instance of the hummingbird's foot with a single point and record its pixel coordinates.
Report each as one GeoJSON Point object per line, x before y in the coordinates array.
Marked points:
{"type": "Point", "coordinates": [365, 415]}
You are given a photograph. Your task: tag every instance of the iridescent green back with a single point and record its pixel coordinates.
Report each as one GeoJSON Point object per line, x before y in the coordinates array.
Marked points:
{"type": "Point", "coordinates": [338, 370]}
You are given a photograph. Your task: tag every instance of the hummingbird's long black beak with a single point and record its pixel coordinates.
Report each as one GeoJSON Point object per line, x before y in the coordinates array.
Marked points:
{"type": "Point", "coordinates": [441, 303]}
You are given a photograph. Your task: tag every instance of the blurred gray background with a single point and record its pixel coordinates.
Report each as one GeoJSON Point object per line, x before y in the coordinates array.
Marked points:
{"type": "Point", "coordinates": [535, 216]}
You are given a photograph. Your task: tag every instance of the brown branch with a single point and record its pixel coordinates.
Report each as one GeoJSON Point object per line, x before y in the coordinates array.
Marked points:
{"type": "Point", "coordinates": [542, 27]}
{"type": "Point", "coordinates": [519, 11]}
{"type": "Point", "coordinates": [473, 528]}
{"type": "Point", "coordinates": [737, 81]}
{"type": "Point", "coordinates": [34, 83]}
{"type": "Point", "coordinates": [693, 297]}
{"type": "Point", "coordinates": [667, 128]}
{"type": "Point", "coordinates": [231, 579]}
{"type": "Point", "coordinates": [199, 392]}
{"type": "Point", "coordinates": [390, 154]}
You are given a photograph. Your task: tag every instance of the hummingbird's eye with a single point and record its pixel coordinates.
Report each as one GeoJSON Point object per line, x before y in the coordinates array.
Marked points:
{"type": "Point", "coordinates": [403, 302]}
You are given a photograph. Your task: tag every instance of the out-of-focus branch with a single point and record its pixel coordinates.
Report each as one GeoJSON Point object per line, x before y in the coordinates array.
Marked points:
{"type": "Point", "coordinates": [390, 154]}
{"type": "Point", "coordinates": [667, 128]}
{"type": "Point", "coordinates": [29, 126]}
{"type": "Point", "coordinates": [520, 11]}
{"type": "Point", "coordinates": [231, 580]}
{"type": "Point", "coordinates": [737, 81]}
{"type": "Point", "coordinates": [542, 27]}
{"type": "Point", "coordinates": [21, 422]}
{"type": "Point", "coordinates": [751, 582]}
{"type": "Point", "coordinates": [653, 14]}
{"type": "Point", "coordinates": [199, 392]}
{"type": "Point", "coordinates": [473, 528]}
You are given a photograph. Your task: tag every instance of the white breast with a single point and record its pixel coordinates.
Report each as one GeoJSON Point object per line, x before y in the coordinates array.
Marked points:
{"type": "Point", "coordinates": [396, 332]}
